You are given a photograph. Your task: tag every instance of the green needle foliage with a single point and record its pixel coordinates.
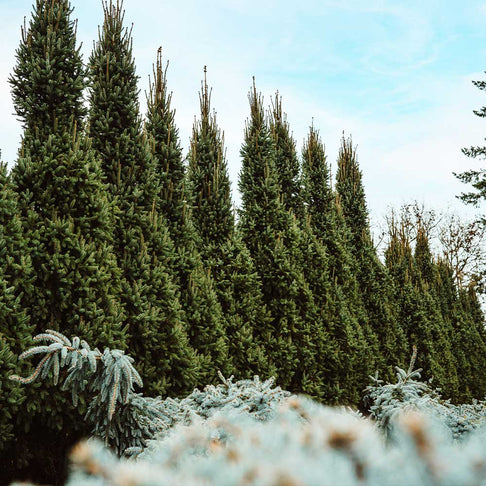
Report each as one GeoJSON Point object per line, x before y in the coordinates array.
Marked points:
{"type": "Point", "coordinates": [16, 287]}
{"type": "Point", "coordinates": [235, 280]}
{"type": "Point", "coordinates": [272, 237]}
{"type": "Point", "coordinates": [380, 325]}
{"type": "Point", "coordinates": [476, 178]}
{"type": "Point", "coordinates": [326, 221]}
{"type": "Point", "coordinates": [286, 161]}
{"type": "Point", "coordinates": [419, 311]}
{"type": "Point", "coordinates": [442, 355]}
{"type": "Point", "coordinates": [49, 77]}
{"type": "Point", "coordinates": [337, 339]}
{"type": "Point", "coordinates": [109, 234]}
{"type": "Point", "coordinates": [467, 332]}
{"type": "Point", "coordinates": [165, 146]}
{"type": "Point", "coordinates": [208, 176]}
{"type": "Point", "coordinates": [142, 243]}
{"type": "Point", "coordinates": [198, 296]}
{"type": "Point", "coordinates": [65, 215]}
{"type": "Point", "coordinates": [326, 218]}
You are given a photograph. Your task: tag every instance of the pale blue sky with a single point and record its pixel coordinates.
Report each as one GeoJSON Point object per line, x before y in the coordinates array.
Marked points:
{"type": "Point", "coordinates": [394, 74]}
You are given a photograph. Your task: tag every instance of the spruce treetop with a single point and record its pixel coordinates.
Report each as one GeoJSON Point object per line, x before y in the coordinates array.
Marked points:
{"type": "Point", "coordinates": [316, 176]}
{"type": "Point", "coordinates": [208, 175]}
{"type": "Point", "coordinates": [286, 161]}
{"type": "Point", "coordinates": [113, 66]}
{"type": "Point", "coordinates": [349, 186]}
{"type": "Point", "coordinates": [165, 145]}
{"type": "Point", "coordinates": [48, 61]}
{"type": "Point", "coordinates": [115, 123]}
{"type": "Point", "coordinates": [258, 183]}
{"type": "Point", "coordinates": [423, 257]}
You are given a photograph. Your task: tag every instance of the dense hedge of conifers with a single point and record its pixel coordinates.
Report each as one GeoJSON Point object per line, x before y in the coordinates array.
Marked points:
{"type": "Point", "coordinates": [108, 231]}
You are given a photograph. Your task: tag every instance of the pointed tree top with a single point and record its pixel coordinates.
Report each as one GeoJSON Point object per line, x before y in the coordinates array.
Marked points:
{"type": "Point", "coordinates": [256, 105]}
{"type": "Point", "coordinates": [157, 95]}
{"type": "Point", "coordinates": [205, 99]}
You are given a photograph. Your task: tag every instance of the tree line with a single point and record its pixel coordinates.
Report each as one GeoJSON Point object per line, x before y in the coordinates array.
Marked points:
{"type": "Point", "coordinates": [109, 232]}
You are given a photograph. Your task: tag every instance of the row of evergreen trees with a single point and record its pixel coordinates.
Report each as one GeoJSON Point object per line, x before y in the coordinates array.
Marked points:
{"type": "Point", "coordinates": [109, 233]}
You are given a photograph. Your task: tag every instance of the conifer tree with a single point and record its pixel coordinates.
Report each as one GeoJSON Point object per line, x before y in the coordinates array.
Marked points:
{"type": "Point", "coordinates": [349, 186]}
{"type": "Point", "coordinates": [426, 279]}
{"type": "Point", "coordinates": [272, 237]}
{"type": "Point", "coordinates": [325, 217]}
{"type": "Point", "coordinates": [286, 161]}
{"type": "Point", "coordinates": [418, 311]}
{"type": "Point", "coordinates": [49, 77]}
{"type": "Point", "coordinates": [208, 176]}
{"type": "Point", "coordinates": [141, 240]}
{"type": "Point", "coordinates": [475, 177]}
{"type": "Point", "coordinates": [467, 338]}
{"type": "Point", "coordinates": [198, 297]}
{"type": "Point", "coordinates": [16, 287]}
{"type": "Point", "coordinates": [471, 340]}
{"type": "Point", "coordinates": [236, 282]}
{"type": "Point", "coordinates": [344, 309]}
{"type": "Point", "coordinates": [381, 326]}
{"type": "Point", "coordinates": [65, 218]}
{"type": "Point", "coordinates": [165, 145]}
{"type": "Point", "coordinates": [342, 350]}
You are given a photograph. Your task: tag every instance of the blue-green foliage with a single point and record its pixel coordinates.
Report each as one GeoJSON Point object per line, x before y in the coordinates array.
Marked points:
{"type": "Point", "coordinates": [126, 420]}
{"type": "Point", "coordinates": [304, 443]}
{"type": "Point", "coordinates": [121, 417]}
{"type": "Point", "coordinates": [387, 401]}
{"type": "Point", "coordinates": [250, 432]}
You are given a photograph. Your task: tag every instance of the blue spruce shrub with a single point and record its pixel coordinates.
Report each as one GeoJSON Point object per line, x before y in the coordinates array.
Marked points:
{"type": "Point", "coordinates": [250, 432]}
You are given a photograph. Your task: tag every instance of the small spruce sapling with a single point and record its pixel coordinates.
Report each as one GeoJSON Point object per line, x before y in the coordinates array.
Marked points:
{"type": "Point", "coordinates": [388, 401]}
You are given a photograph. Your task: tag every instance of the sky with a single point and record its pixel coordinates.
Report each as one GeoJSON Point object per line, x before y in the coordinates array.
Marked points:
{"type": "Point", "coordinates": [395, 75]}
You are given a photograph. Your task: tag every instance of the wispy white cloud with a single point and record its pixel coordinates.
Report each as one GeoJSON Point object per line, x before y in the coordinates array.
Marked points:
{"type": "Point", "coordinates": [395, 74]}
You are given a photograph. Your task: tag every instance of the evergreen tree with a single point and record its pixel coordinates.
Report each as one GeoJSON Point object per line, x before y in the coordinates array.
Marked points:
{"type": "Point", "coordinates": [49, 77]}
{"type": "Point", "coordinates": [326, 218]}
{"type": "Point", "coordinates": [476, 178]}
{"type": "Point", "coordinates": [419, 313]}
{"type": "Point", "coordinates": [471, 337]}
{"type": "Point", "coordinates": [286, 160]}
{"type": "Point", "coordinates": [141, 240]}
{"type": "Point", "coordinates": [16, 287]}
{"type": "Point", "coordinates": [342, 350]}
{"type": "Point", "coordinates": [65, 219]}
{"type": "Point", "coordinates": [202, 311]}
{"type": "Point", "coordinates": [467, 338]}
{"type": "Point", "coordinates": [381, 327]}
{"type": "Point", "coordinates": [427, 281]}
{"type": "Point", "coordinates": [165, 145]}
{"type": "Point", "coordinates": [208, 177]}
{"type": "Point", "coordinates": [272, 237]}
{"type": "Point", "coordinates": [349, 186]}
{"type": "Point", "coordinates": [236, 282]}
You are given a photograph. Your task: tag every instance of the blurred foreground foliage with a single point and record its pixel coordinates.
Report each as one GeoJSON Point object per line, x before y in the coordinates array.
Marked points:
{"type": "Point", "coordinates": [251, 432]}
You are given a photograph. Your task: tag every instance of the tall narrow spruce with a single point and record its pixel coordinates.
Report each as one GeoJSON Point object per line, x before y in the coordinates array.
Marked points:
{"type": "Point", "coordinates": [66, 221]}
{"type": "Point", "coordinates": [287, 164]}
{"type": "Point", "coordinates": [203, 314]}
{"type": "Point", "coordinates": [142, 244]}
{"type": "Point", "coordinates": [236, 281]}
{"type": "Point", "coordinates": [382, 329]}
{"type": "Point", "coordinates": [272, 237]}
